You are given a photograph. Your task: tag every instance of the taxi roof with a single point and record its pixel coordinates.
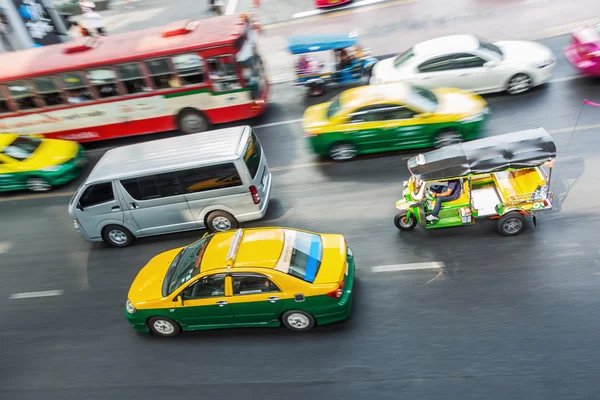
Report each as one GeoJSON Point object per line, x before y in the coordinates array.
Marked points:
{"type": "Point", "coordinates": [6, 138]}
{"type": "Point", "coordinates": [397, 92]}
{"type": "Point", "coordinates": [259, 247]}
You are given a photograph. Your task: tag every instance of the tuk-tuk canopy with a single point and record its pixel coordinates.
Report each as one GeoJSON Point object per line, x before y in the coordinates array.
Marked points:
{"type": "Point", "coordinates": [312, 43]}
{"type": "Point", "coordinates": [517, 150]}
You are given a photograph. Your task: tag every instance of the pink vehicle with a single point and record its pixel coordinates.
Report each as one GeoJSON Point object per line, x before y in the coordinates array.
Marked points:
{"type": "Point", "coordinates": [330, 3]}
{"type": "Point", "coordinates": [584, 51]}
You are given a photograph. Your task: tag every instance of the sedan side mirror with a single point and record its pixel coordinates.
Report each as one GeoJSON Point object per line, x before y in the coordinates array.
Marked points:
{"type": "Point", "coordinates": [491, 64]}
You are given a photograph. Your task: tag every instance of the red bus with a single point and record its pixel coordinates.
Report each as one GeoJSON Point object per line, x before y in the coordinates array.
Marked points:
{"type": "Point", "coordinates": [187, 76]}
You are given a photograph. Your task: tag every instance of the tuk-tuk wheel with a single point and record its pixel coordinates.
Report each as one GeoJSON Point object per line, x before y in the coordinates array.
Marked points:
{"type": "Point", "coordinates": [511, 224]}
{"type": "Point", "coordinates": [403, 223]}
{"type": "Point", "coordinates": [316, 89]}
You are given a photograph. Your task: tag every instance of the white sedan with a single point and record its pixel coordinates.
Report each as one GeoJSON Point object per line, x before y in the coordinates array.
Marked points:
{"type": "Point", "coordinates": [465, 62]}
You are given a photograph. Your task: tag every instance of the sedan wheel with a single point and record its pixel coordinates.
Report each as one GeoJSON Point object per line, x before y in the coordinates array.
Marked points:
{"type": "Point", "coordinates": [519, 83]}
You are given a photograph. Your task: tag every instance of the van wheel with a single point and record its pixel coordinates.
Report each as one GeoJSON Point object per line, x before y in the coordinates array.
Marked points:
{"type": "Point", "coordinates": [164, 327]}
{"type": "Point", "coordinates": [298, 321]}
{"type": "Point", "coordinates": [221, 221]}
{"type": "Point", "coordinates": [117, 236]}
{"type": "Point", "coordinates": [192, 121]}
{"type": "Point", "coordinates": [511, 224]}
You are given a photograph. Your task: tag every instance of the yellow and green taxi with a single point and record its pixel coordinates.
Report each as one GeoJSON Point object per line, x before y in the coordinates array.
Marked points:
{"type": "Point", "coordinates": [37, 164]}
{"type": "Point", "coordinates": [392, 116]}
{"type": "Point", "coordinates": [260, 277]}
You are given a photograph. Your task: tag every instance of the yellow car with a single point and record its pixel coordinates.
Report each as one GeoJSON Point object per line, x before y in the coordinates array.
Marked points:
{"type": "Point", "coordinates": [37, 164]}
{"type": "Point", "coordinates": [392, 116]}
{"type": "Point", "coordinates": [260, 277]}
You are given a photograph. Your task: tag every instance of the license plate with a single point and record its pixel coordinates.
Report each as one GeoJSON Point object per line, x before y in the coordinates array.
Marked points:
{"type": "Point", "coordinates": [265, 177]}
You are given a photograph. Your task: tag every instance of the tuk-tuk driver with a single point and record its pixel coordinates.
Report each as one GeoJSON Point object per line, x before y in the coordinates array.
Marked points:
{"type": "Point", "coordinates": [444, 194]}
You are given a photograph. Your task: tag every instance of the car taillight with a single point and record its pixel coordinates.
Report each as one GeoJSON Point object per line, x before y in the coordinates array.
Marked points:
{"type": "Point", "coordinates": [337, 293]}
{"type": "Point", "coordinates": [255, 195]}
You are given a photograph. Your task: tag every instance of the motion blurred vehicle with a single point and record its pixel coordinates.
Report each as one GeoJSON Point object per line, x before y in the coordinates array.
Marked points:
{"type": "Point", "coordinates": [330, 3]}
{"type": "Point", "coordinates": [261, 277]}
{"type": "Point", "coordinates": [466, 62]}
{"type": "Point", "coordinates": [584, 51]}
{"type": "Point", "coordinates": [213, 180]}
{"type": "Point", "coordinates": [38, 164]}
{"type": "Point", "coordinates": [187, 76]}
{"type": "Point", "coordinates": [505, 177]}
{"type": "Point", "coordinates": [394, 116]}
{"type": "Point", "coordinates": [329, 59]}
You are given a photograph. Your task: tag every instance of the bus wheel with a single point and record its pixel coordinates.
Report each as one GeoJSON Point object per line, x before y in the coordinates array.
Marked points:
{"type": "Point", "coordinates": [405, 223]}
{"type": "Point", "coordinates": [511, 224]}
{"type": "Point", "coordinates": [192, 121]}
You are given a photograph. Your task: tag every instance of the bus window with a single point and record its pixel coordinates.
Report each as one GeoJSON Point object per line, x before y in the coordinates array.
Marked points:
{"type": "Point", "coordinates": [48, 91]}
{"type": "Point", "coordinates": [132, 78]}
{"type": "Point", "coordinates": [222, 74]}
{"type": "Point", "coordinates": [3, 105]}
{"type": "Point", "coordinates": [105, 81]}
{"type": "Point", "coordinates": [162, 76]}
{"type": "Point", "coordinates": [77, 90]}
{"type": "Point", "coordinates": [189, 68]}
{"type": "Point", "coordinates": [22, 95]}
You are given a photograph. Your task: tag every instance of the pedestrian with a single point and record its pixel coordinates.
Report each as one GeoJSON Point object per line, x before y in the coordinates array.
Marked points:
{"type": "Point", "coordinates": [217, 6]}
{"type": "Point", "coordinates": [94, 20]}
{"type": "Point", "coordinates": [76, 30]}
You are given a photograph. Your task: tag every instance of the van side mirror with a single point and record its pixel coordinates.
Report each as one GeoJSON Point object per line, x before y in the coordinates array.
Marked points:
{"type": "Point", "coordinates": [79, 206]}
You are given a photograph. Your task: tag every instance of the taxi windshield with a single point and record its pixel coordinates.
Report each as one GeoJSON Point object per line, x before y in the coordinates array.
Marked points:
{"type": "Point", "coordinates": [334, 107]}
{"type": "Point", "coordinates": [185, 266]}
{"type": "Point", "coordinates": [22, 147]}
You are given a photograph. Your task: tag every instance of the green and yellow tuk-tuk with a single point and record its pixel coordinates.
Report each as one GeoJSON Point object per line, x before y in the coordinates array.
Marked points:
{"type": "Point", "coordinates": [505, 177]}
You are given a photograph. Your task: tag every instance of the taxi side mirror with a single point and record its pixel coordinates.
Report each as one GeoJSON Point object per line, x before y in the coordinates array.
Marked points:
{"type": "Point", "coordinates": [423, 115]}
{"type": "Point", "coordinates": [179, 299]}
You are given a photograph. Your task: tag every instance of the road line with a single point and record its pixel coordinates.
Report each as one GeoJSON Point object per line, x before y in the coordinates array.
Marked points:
{"type": "Point", "coordinates": [325, 11]}
{"type": "Point", "coordinates": [298, 166]}
{"type": "Point", "coordinates": [335, 14]}
{"type": "Point", "coordinates": [407, 267]}
{"type": "Point", "coordinates": [29, 295]}
{"type": "Point", "coordinates": [5, 247]}
{"type": "Point", "coordinates": [287, 122]}
{"type": "Point", "coordinates": [231, 5]}
{"type": "Point", "coordinates": [571, 129]}
{"type": "Point", "coordinates": [566, 78]}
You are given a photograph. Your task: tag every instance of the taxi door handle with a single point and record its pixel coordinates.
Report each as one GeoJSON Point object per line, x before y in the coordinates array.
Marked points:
{"type": "Point", "coordinates": [221, 303]}
{"type": "Point", "coordinates": [464, 74]}
{"type": "Point", "coordinates": [273, 299]}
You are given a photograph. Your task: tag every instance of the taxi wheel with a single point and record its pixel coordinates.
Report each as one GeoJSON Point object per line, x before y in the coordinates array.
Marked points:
{"type": "Point", "coordinates": [37, 184]}
{"type": "Point", "coordinates": [511, 224]}
{"type": "Point", "coordinates": [192, 121]}
{"type": "Point", "coordinates": [446, 138]}
{"type": "Point", "coordinates": [403, 223]}
{"type": "Point", "coordinates": [221, 221]}
{"type": "Point", "coordinates": [298, 321]}
{"type": "Point", "coordinates": [343, 151]}
{"type": "Point", "coordinates": [164, 327]}
{"type": "Point", "coordinates": [117, 236]}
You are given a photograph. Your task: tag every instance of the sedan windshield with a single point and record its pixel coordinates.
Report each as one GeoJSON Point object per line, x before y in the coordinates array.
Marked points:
{"type": "Point", "coordinates": [403, 58]}
{"type": "Point", "coordinates": [185, 266]}
{"type": "Point", "coordinates": [423, 99]}
{"type": "Point", "coordinates": [22, 147]}
{"type": "Point", "coordinates": [491, 48]}
{"type": "Point", "coordinates": [334, 107]}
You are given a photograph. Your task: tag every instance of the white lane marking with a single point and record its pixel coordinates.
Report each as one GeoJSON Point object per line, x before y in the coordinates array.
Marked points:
{"type": "Point", "coordinates": [407, 267]}
{"type": "Point", "coordinates": [5, 247]}
{"type": "Point", "coordinates": [288, 122]}
{"type": "Point", "coordinates": [231, 5]}
{"type": "Point", "coordinates": [29, 295]}
{"type": "Point", "coordinates": [566, 78]}
{"type": "Point", "coordinates": [322, 11]}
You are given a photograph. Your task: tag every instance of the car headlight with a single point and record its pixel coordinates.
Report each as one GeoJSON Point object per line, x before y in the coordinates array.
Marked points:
{"type": "Point", "coordinates": [129, 307]}
{"type": "Point", "coordinates": [76, 224]}
{"type": "Point", "coordinates": [52, 168]}
{"type": "Point", "coordinates": [544, 64]}
{"type": "Point", "coordinates": [475, 117]}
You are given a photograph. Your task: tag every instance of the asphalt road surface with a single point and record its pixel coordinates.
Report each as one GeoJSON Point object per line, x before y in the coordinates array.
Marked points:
{"type": "Point", "coordinates": [504, 318]}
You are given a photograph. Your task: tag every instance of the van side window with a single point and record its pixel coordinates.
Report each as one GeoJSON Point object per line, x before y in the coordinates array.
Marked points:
{"type": "Point", "coordinates": [220, 176]}
{"type": "Point", "coordinates": [97, 194]}
{"type": "Point", "coordinates": [252, 155]}
{"type": "Point", "coordinates": [153, 187]}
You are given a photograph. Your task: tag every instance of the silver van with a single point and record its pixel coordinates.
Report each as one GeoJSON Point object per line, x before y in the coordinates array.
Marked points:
{"type": "Point", "coordinates": [213, 180]}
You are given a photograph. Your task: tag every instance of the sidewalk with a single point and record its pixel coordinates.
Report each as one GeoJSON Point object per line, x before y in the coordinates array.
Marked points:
{"type": "Point", "coordinates": [385, 27]}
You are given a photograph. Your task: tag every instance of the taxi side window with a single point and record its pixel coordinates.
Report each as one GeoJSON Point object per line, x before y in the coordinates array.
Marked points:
{"type": "Point", "coordinates": [205, 287]}
{"type": "Point", "coordinates": [245, 284]}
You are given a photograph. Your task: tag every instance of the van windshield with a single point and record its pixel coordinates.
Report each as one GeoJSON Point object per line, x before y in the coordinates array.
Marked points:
{"type": "Point", "coordinates": [185, 266]}
{"type": "Point", "coordinates": [252, 155]}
